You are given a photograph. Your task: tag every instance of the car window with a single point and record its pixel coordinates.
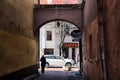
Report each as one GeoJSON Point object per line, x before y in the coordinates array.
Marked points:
{"type": "Point", "coordinates": [58, 57]}
{"type": "Point", "coordinates": [47, 57]}
{"type": "Point", "coordinates": [50, 57]}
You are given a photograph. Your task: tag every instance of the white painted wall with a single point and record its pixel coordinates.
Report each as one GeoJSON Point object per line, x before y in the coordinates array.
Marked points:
{"type": "Point", "coordinates": [42, 37]}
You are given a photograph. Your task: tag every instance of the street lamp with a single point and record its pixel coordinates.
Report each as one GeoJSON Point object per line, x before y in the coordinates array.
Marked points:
{"type": "Point", "coordinates": [66, 30]}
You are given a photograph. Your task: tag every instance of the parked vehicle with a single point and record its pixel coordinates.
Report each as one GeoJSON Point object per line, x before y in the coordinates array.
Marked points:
{"type": "Point", "coordinates": [58, 61]}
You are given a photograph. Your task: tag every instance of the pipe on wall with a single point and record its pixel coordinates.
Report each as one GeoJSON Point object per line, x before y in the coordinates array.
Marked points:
{"type": "Point", "coordinates": [102, 24]}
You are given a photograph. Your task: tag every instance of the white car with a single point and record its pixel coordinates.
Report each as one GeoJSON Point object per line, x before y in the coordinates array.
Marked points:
{"type": "Point", "coordinates": [58, 61]}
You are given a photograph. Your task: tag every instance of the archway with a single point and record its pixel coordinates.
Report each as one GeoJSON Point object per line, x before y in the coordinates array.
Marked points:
{"type": "Point", "coordinates": [46, 13]}
{"type": "Point", "coordinates": [51, 43]}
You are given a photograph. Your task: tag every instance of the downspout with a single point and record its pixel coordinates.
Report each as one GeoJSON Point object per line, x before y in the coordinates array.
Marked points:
{"type": "Point", "coordinates": [80, 41]}
{"type": "Point", "coordinates": [102, 25]}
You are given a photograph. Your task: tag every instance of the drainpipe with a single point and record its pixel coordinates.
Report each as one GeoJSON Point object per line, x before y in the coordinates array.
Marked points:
{"type": "Point", "coordinates": [102, 25]}
{"type": "Point", "coordinates": [80, 55]}
{"type": "Point", "coordinates": [80, 41]}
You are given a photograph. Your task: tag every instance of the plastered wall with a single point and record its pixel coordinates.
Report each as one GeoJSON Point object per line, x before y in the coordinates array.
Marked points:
{"type": "Point", "coordinates": [17, 44]}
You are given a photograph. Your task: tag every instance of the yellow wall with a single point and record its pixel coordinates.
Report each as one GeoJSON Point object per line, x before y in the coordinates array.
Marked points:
{"type": "Point", "coordinates": [17, 45]}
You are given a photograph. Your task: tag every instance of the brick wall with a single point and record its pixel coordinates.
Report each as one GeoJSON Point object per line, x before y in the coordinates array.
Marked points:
{"type": "Point", "coordinates": [112, 38]}
{"type": "Point", "coordinates": [92, 70]}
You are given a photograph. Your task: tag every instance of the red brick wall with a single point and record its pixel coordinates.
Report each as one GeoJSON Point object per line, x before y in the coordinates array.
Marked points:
{"type": "Point", "coordinates": [45, 15]}
{"type": "Point", "coordinates": [90, 11]}
{"type": "Point", "coordinates": [112, 38]}
{"type": "Point", "coordinates": [92, 70]}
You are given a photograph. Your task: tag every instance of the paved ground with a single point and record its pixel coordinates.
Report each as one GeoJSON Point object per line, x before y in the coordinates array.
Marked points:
{"type": "Point", "coordinates": [59, 74]}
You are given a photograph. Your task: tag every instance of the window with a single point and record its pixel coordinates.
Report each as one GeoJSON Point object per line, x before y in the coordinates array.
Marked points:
{"type": "Point", "coordinates": [48, 51]}
{"type": "Point", "coordinates": [50, 57]}
{"type": "Point", "coordinates": [90, 47]}
{"type": "Point", "coordinates": [49, 35]}
{"type": "Point", "coordinates": [58, 57]}
{"type": "Point", "coordinates": [73, 53]}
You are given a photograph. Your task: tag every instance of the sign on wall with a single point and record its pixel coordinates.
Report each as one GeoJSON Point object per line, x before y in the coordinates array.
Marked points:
{"type": "Point", "coordinates": [73, 45]}
{"type": "Point", "coordinates": [76, 34]}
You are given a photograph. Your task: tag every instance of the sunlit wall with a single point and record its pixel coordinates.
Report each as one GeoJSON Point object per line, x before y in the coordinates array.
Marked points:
{"type": "Point", "coordinates": [60, 1]}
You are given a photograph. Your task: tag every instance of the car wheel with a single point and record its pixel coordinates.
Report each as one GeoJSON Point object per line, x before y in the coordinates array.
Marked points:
{"type": "Point", "coordinates": [68, 64]}
{"type": "Point", "coordinates": [47, 65]}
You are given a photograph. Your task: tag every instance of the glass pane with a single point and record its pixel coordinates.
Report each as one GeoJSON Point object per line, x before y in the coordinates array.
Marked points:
{"type": "Point", "coordinates": [58, 57]}
{"type": "Point", "coordinates": [60, 1]}
{"type": "Point", "coordinates": [49, 35]}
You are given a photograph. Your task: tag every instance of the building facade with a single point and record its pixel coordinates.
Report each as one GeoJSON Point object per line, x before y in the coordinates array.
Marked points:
{"type": "Point", "coordinates": [60, 1]}
{"type": "Point", "coordinates": [55, 40]}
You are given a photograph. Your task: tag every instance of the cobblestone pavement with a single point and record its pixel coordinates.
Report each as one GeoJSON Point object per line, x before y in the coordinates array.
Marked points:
{"type": "Point", "coordinates": [59, 74]}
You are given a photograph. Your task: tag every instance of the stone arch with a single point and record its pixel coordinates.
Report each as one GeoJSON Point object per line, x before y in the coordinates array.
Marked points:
{"type": "Point", "coordinates": [58, 20]}
{"type": "Point", "coordinates": [46, 13]}
{"type": "Point", "coordinates": [53, 21]}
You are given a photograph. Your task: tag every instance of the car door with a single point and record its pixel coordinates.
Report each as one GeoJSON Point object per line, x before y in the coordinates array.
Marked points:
{"type": "Point", "coordinates": [60, 61]}
{"type": "Point", "coordinates": [51, 60]}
